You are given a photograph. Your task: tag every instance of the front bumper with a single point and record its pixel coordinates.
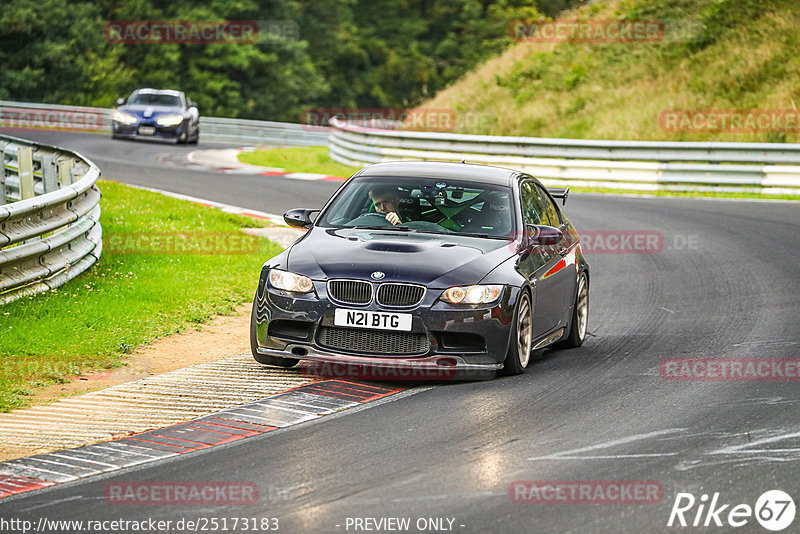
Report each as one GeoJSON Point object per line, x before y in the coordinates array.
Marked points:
{"type": "Point", "coordinates": [462, 341]}
{"type": "Point", "coordinates": [131, 131]}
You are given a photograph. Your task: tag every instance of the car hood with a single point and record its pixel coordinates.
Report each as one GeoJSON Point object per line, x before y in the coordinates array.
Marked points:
{"type": "Point", "coordinates": [149, 111]}
{"type": "Point", "coordinates": [436, 260]}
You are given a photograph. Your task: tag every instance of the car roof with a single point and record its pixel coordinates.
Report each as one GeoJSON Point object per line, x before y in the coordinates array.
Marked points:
{"type": "Point", "coordinates": [159, 91]}
{"type": "Point", "coordinates": [438, 169]}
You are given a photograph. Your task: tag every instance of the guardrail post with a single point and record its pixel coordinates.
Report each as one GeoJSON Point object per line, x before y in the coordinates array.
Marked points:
{"type": "Point", "coordinates": [3, 172]}
{"type": "Point", "coordinates": [65, 172]}
{"type": "Point", "coordinates": [49, 173]}
{"type": "Point", "coordinates": [25, 162]}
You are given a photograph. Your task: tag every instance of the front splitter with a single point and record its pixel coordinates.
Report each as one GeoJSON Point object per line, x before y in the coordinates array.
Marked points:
{"type": "Point", "coordinates": [437, 368]}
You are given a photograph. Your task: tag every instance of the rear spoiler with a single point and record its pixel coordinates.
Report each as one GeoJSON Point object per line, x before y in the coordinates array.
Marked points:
{"type": "Point", "coordinates": [559, 192]}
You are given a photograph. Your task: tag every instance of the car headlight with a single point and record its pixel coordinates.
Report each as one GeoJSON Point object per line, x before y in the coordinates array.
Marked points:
{"type": "Point", "coordinates": [288, 281]}
{"type": "Point", "coordinates": [472, 294]}
{"type": "Point", "coordinates": [124, 118]}
{"type": "Point", "coordinates": [169, 120]}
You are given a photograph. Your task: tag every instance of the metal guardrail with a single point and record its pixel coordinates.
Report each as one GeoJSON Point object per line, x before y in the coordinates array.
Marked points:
{"type": "Point", "coordinates": [49, 217]}
{"type": "Point", "coordinates": [250, 131]}
{"type": "Point", "coordinates": [643, 165]}
{"type": "Point", "coordinates": [51, 116]}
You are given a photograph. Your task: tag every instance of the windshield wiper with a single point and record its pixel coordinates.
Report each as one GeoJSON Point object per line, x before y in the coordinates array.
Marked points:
{"type": "Point", "coordinates": [472, 234]}
{"type": "Point", "coordinates": [400, 228]}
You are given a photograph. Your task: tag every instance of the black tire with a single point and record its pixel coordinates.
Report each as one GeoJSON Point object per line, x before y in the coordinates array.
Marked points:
{"type": "Point", "coordinates": [519, 349]}
{"type": "Point", "coordinates": [196, 138]}
{"type": "Point", "coordinates": [276, 361]}
{"type": "Point", "coordinates": [580, 316]}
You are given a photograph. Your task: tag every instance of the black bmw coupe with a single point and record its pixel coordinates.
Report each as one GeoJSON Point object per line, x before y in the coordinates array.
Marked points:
{"type": "Point", "coordinates": [444, 269]}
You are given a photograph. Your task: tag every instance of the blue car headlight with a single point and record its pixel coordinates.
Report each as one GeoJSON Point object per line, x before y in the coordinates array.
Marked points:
{"type": "Point", "coordinates": [169, 120]}
{"type": "Point", "coordinates": [124, 118]}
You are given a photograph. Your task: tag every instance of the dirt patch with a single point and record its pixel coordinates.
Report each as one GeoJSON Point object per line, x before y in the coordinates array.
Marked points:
{"type": "Point", "coordinates": [221, 337]}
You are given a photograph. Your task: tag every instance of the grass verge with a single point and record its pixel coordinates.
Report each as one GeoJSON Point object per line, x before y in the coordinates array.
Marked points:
{"type": "Point", "coordinates": [134, 294]}
{"type": "Point", "coordinates": [298, 159]}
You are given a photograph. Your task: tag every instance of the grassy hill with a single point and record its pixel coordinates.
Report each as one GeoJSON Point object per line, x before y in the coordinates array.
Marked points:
{"type": "Point", "coordinates": [714, 55]}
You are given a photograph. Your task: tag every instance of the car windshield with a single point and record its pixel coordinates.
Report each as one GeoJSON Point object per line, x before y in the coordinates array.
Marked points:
{"type": "Point", "coordinates": [155, 99]}
{"type": "Point", "coordinates": [429, 205]}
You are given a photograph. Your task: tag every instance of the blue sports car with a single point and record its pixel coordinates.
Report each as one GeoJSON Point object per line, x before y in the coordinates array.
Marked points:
{"type": "Point", "coordinates": [156, 114]}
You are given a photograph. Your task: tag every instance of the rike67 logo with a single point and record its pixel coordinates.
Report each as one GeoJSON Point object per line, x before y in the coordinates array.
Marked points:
{"type": "Point", "coordinates": [774, 510]}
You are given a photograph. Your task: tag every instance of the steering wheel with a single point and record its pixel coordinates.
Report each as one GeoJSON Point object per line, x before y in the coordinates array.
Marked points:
{"type": "Point", "coordinates": [370, 219]}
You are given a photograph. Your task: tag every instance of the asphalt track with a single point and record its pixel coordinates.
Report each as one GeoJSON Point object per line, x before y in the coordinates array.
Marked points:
{"type": "Point", "coordinates": [137, 162]}
{"type": "Point", "coordinates": [726, 284]}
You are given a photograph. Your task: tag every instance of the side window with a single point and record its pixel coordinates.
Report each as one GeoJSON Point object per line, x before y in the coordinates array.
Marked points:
{"type": "Point", "coordinates": [531, 209]}
{"type": "Point", "coordinates": [550, 215]}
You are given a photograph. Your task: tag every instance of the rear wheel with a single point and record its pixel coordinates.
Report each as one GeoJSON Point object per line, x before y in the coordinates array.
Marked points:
{"type": "Point", "coordinates": [580, 315]}
{"type": "Point", "coordinates": [519, 350]}
{"type": "Point", "coordinates": [277, 361]}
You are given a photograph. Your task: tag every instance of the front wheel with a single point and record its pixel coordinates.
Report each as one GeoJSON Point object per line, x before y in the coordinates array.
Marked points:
{"type": "Point", "coordinates": [519, 350]}
{"type": "Point", "coordinates": [277, 361]}
{"type": "Point", "coordinates": [580, 315]}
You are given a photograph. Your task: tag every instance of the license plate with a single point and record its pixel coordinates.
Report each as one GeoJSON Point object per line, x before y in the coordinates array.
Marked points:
{"type": "Point", "coordinates": [147, 130]}
{"type": "Point", "coordinates": [371, 319]}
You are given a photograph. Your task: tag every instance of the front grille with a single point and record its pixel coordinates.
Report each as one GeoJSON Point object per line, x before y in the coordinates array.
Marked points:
{"type": "Point", "coordinates": [399, 295]}
{"type": "Point", "coordinates": [350, 291]}
{"type": "Point", "coordinates": [373, 341]}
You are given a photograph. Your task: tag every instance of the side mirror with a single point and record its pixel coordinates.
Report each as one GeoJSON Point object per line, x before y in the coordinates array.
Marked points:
{"type": "Point", "coordinates": [191, 104]}
{"type": "Point", "coordinates": [299, 218]}
{"type": "Point", "coordinates": [543, 235]}
{"type": "Point", "coordinates": [120, 101]}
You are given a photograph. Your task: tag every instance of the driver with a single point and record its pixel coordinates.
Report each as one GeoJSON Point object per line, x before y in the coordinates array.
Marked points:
{"type": "Point", "coordinates": [386, 199]}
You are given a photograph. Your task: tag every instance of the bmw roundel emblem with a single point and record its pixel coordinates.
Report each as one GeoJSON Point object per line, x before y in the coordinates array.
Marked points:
{"type": "Point", "coordinates": [378, 275]}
